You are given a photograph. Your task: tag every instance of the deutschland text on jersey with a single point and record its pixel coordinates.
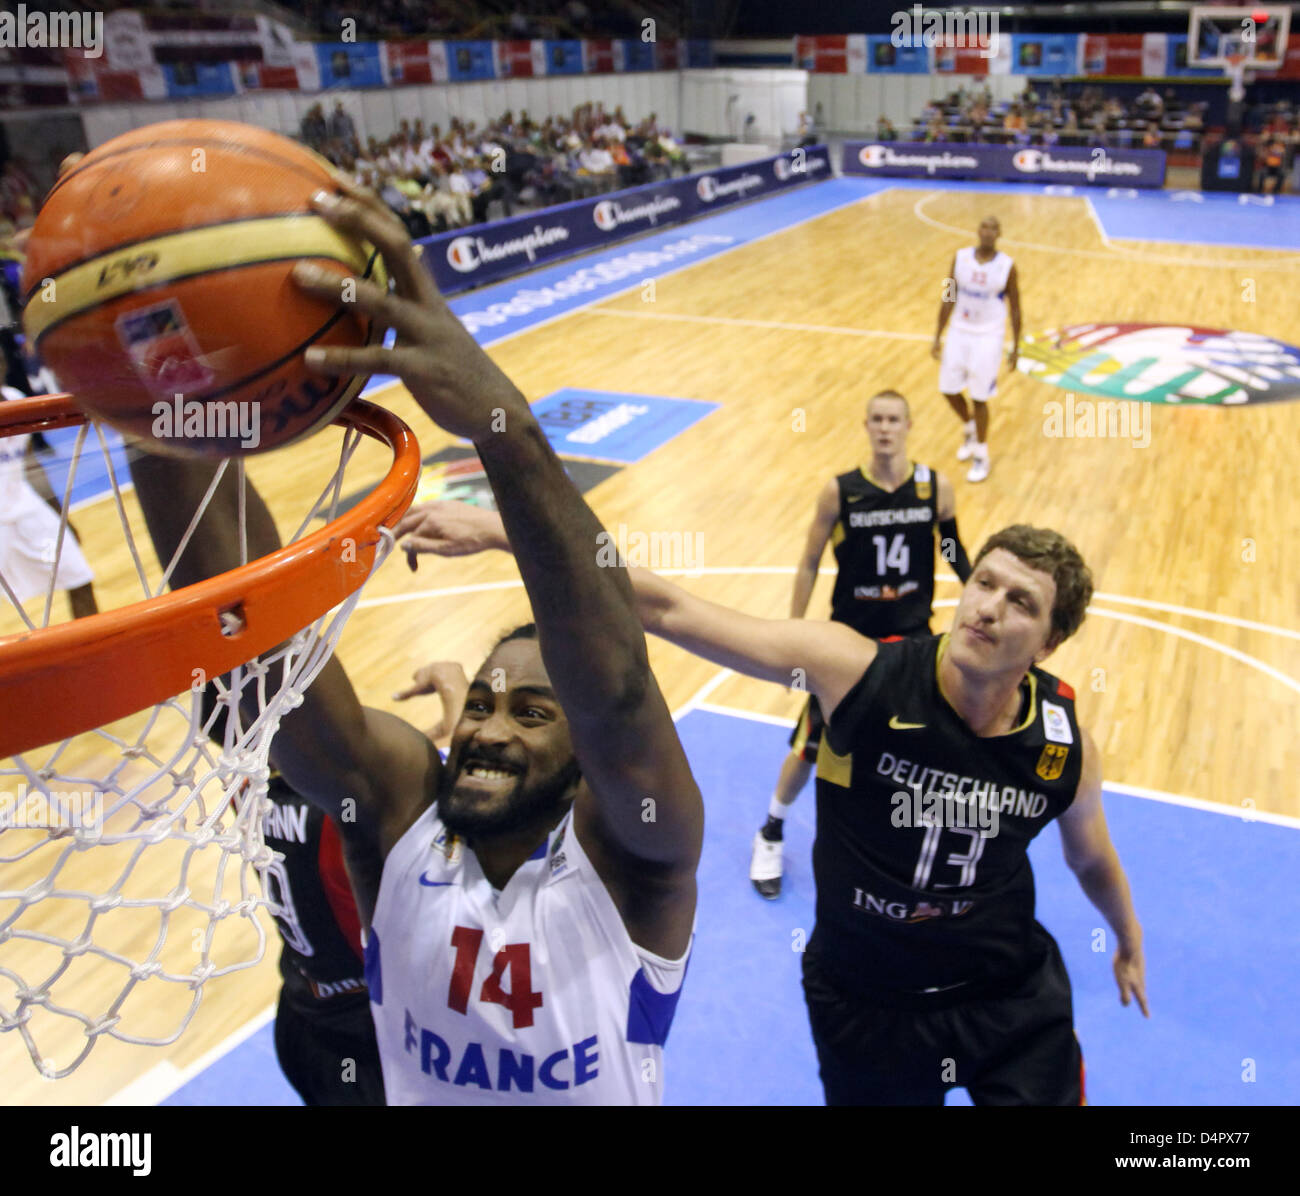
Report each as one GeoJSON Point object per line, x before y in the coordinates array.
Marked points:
{"type": "Point", "coordinates": [923, 881]}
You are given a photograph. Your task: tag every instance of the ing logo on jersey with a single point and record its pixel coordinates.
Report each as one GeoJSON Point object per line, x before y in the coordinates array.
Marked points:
{"type": "Point", "coordinates": [1052, 762]}
{"type": "Point", "coordinates": [1163, 363]}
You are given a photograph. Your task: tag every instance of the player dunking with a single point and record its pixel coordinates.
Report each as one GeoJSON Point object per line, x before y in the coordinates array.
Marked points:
{"type": "Point", "coordinates": [881, 518]}
{"type": "Point", "coordinates": [530, 904]}
{"type": "Point", "coordinates": [943, 758]}
{"type": "Point", "coordinates": [324, 1034]}
{"type": "Point", "coordinates": [980, 287]}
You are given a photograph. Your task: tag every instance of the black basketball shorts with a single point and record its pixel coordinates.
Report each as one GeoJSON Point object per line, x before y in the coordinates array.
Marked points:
{"type": "Point", "coordinates": [329, 1056]}
{"type": "Point", "coordinates": [1018, 1049]}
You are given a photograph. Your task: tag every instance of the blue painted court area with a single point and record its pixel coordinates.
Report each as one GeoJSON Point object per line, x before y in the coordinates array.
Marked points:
{"type": "Point", "coordinates": [1214, 894]}
{"type": "Point", "coordinates": [612, 426]}
{"type": "Point", "coordinates": [1200, 218]}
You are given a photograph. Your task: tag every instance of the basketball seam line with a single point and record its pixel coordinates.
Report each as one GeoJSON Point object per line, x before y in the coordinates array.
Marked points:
{"type": "Point", "coordinates": [66, 269]}
{"type": "Point", "coordinates": [204, 272]}
{"type": "Point", "coordinates": [188, 142]}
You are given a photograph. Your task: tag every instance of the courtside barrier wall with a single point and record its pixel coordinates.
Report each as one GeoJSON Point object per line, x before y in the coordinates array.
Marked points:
{"type": "Point", "coordinates": [1094, 165]}
{"type": "Point", "coordinates": [488, 253]}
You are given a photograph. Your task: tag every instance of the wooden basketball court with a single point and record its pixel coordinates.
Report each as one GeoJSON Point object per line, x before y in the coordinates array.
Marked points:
{"type": "Point", "coordinates": [1188, 666]}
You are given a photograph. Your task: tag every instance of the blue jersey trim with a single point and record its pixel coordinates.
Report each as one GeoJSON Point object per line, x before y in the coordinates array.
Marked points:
{"type": "Point", "coordinates": [649, 1012]}
{"type": "Point", "coordinates": [374, 971]}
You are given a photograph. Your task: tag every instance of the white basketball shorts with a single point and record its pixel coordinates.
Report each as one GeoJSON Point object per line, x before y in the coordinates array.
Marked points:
{"type": "Point", "coordinates": [970, 363]}
{"type": "Point", "coordinates": [28, 535]}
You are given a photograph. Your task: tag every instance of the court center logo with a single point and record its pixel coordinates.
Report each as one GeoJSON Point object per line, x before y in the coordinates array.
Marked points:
{"type": "Point", "coordinates": [1164, 363]}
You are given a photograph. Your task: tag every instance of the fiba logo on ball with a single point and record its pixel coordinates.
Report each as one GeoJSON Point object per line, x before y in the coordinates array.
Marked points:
{"type": "Point", "coordinates": [707, 188]}
{"type": "Point", "coordinates": [605, 216]}
{"type": "Point", "coordinates": [872, 155]}
{"type": "Point", "coordinates": [461, 255]}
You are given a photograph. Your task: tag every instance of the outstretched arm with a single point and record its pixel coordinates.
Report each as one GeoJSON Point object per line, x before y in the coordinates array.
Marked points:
{"type": "Point", "coordinates": [591, 642]}
{"type": "Point", "coordinates": [1093, 860]}
{"type": "Point", "coordinates": [826, 658]}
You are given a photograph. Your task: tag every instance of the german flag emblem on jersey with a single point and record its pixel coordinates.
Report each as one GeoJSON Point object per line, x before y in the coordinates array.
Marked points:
{"type": "Point", "coordinates": [1052, 762]}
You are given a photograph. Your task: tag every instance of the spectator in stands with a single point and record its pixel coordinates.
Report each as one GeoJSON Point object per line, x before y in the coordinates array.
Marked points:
{"type": "Point", "coordinates": [443, 207]}
{"type": "Point", "coordinates": [341, 128]}
{"type": "Point", "coordinates": [1098, 125]}
{"type": "Point", "coordinates": [885, 130]}
{"type": "Point", "coordinates": [314, 127]}
{"type": "Point", "coordinates": [597, 162]}
{"type": "Point", "coordinates": [1272, 166]}
{"type": "Point", "coordinates": [1150, 104]}
{"type": "Point", "coordinates": [807, 134]}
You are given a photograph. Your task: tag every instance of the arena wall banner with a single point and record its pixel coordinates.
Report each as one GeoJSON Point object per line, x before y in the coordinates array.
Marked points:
{"type": "Point", "coordinates": [349, 64]}
{"type": "Point", "coordinates": [564, 57]}
{"type": "Point", "coordinates": [487, 253]}
{"type": "Point", "coordinates": [467, 61]}
{"type": "Point", "coordinates": [1089, 165]}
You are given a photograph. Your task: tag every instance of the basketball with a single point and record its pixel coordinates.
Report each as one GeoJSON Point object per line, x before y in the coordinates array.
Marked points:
{"type": "Point", "coordinates": [158, 288]}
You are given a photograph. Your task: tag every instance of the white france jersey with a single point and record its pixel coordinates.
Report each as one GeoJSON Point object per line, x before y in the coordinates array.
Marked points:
{"type": "Point", "coordinates": [535, 995]}
{"type": "Point", "coordinates": [981, 287]}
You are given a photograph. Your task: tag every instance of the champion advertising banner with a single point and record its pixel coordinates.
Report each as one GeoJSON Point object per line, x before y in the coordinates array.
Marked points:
{"type": "Point", "coordinates": [1094, 165]}
{"type": "Point", "coordinates": [473, 257]}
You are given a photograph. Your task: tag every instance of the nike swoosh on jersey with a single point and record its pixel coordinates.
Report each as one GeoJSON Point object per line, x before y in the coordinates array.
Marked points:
{"type": "Point", "coordinates": [433, 884]}
{"type": "Point", "coordinates": [895, 725]}
{"type": "Point", "coordinates": [856, 497]}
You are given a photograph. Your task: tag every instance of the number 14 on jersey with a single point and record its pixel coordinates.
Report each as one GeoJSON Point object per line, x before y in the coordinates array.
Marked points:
{"type": "Point", "coordinates": [515, 958]}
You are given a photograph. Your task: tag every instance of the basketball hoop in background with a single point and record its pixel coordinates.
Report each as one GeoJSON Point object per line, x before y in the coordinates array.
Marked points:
{"type": "Point", "coordinates": [132, 854]}
{"type": "Point", "coordinates": [1235, 68]}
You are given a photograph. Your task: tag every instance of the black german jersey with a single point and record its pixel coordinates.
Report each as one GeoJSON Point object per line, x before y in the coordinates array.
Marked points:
{"type": "Point", "coordinates": [321, 961]}
{"type": "Point", "coordinates": [923, 827]}
{"type": "Point", "coordinates": [884, 549]}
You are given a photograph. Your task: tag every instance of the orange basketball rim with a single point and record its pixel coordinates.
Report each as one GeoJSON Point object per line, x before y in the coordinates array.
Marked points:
{"type": "Point", "coordinates": [63, 680]}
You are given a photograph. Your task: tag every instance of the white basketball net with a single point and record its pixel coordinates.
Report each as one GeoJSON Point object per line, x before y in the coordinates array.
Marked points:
{"type": "Point", "coordinates": [128, 883]}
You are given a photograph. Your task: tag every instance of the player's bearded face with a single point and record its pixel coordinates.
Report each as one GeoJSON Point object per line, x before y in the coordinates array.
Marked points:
{"type": "Point", "coordinates": [511, 764]}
